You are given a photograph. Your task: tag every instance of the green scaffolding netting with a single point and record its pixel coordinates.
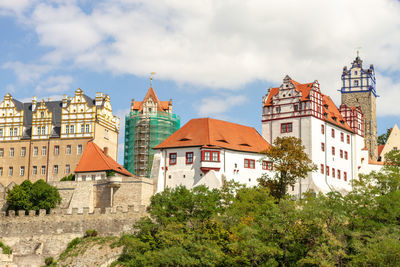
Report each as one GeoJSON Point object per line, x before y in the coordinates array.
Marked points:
{"type": "Point", "coordinates": [142, 133]}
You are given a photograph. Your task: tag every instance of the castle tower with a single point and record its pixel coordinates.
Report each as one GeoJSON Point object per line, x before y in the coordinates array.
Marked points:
{"type": "Point", "coordinates": [359, 90]}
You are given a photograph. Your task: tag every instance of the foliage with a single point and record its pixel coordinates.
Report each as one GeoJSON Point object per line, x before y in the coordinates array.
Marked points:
{"type": "Point", "coordinates": [6, 249]}
{"type": "Point", "coordinates": [110, 173]}
{"type": "Point", "coordinates": [291, 163]}
{"type": "Point", "coordinates": [49, 261]}
{"type": "Point", "coordinates": [90, 233]}
{"type": "Point", "coordinates": [70, 177]}
{"type": "Point", "coordinates": [384, 137]}
{"type": "Point", "coordinates": [28, 196]}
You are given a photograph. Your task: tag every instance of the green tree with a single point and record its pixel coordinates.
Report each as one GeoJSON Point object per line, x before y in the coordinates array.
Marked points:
{"type": "Point", "coordinates": [384, 137]}
{"type": "Point", "coordinates": [28, 196]}
{"type": "Point", "coordinates": [291, 163]}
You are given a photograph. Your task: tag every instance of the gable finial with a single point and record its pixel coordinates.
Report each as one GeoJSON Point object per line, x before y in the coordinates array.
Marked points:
{"type": "Point", "coordinates": [358, 51]}
{"type": "Point", "coordinates": [151, 78]}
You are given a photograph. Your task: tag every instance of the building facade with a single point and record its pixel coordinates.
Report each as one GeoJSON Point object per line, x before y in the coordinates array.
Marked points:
{"type": "Point", "coordinates": [392, 143]}
{"type": "Point", "coordinates": [209, 152]}
{"type": "Point", "coordinates": [45, 140]}
{"type": "Point", "coordinates": [333, 138]}
{"type": "Point", "coordinates": [149, 123]}
{"type": "Point", "coordinates": [359, 90]}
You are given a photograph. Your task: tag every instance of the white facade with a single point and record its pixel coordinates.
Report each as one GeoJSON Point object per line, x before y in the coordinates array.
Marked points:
{"type": "Point", "coordinates": [230, 165]}
{"type": "Point", "coordinates": [329, 141]}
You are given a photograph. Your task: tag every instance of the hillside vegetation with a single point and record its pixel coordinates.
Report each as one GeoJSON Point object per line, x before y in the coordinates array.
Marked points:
{"type": "Point", "coordinates": [239, 226]}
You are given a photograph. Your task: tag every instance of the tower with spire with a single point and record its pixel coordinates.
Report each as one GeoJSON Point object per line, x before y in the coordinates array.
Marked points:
{"type": "Point", "coordinates": [149, 123]}
{"type": "Point", "coordinates": [359, 90]}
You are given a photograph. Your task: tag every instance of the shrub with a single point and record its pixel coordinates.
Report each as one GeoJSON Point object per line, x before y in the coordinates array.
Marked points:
{"type": "Point", "coordinates": [36, 196]}
{"type": "Point", "coordinates": [6, 249]}
{"type": "Point", "coordinates": [90, 233]}
{"type": "Point", "coordinates": [48, 261]}
{"type": "Point", "coordinates": [70, 177]}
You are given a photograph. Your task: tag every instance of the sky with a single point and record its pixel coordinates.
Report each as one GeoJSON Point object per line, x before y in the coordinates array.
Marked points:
{"type": "Point", "coordinates": [213, 58]}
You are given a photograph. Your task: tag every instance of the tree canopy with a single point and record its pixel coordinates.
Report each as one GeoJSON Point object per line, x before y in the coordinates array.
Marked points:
{"type": "Point", "coordinates": [241, 226]}
{"type": "Point", "coordinates": [33, 196]}
{"type": "Point", "coordinates": [384, 137]}
{"type": "Point", "coordinates": [290, 163]}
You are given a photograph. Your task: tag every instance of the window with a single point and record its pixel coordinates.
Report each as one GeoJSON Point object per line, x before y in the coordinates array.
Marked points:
{"type": "Point", "coordinates": [93, 177]}
{"type": "Point", "coordinates": [10, 171]}
{"type": "Point", "coordinates": [82, 128]}
{"type": "Point", "coordinates": [35, 151]}
{"type": "Point", "coordinates": [67, 169]}
{"type": "Point", "coordinates": [333, 133]}
{"type": "Point", "coordinates": [189, 157]}
{"type": "Point", "coordinates": [16, 131]}
{"type": "Point", "coordinates": [342, 137]}
{"type": "Point", "coordinates": [34, 170]}
{"type": "Point", "coordinates": [348, 139]}
{"type": "Point", "coordinates": [56, 150]}
{"type": "Point", "coordinates": [12, 152]}
{"type": "Point", "coordinates": [1, 132]}
{"type": "Point", "coordinates": [22, 171]}
{"type": "Point", "coordinates": [172, 158]}
{"type": "Point", "coordinates": [333, 172]}
{"type": "Point", "coordinates": [338, 174]}
{"type": "Point", "coordinates": [1, 152]}
{"type": "Point", "coordinates": [296, 107]}
{"type": "Point", "coordinates": [341, 153]}
{"type": "Point", "coordinates": [43, 170]}
{"type": "Point", "coordinates": [267, 165]}
{"type": "Point", "coordinates": [1, 171]}
{"type": "Point", "coordinates": [278, 109]}
{"type": "Point", "coordinates": [68, 151]}
{"type": "Point", "coordinates": [87, 128]}
{"type": "Point", "coordinates": [249, 163]}
{"type": "Point", "coordinates": [11, 132]}
{"type": "Point", "coordinates": [105, 133]}
{"type": "Point", "coordinates": [355, 72]}
{"type": "Point", "coordinates": [207, 155]}
{"type": "Point", "coordinates": [286, 127]}
{"type": "Point", "coordinates": [44, 150]}
{"type": "Point", "coordinates": [79, 149]}
{"type": "Point", "coordinates": [322, 129]}
{"type": "Point", "coordinates": [23, 151]}
{"type": "Point", "coordinates": [72, 129]}
{"type": "Point", "coordinates": [43, 130]}
{"type": "Point", "coordinates": [356, 83]}
{"type": "Point", "coordinates": [345, 176]}
{"type": "Point", "coordinates": [327, 170]}
{"type": "Point", "coordinates": [322, 168]}
{"type": "Point", "coordinates": [67, 129]}
{"type": "Point", "coordinates": [345, 155]}
{"type": "Point", "coordinates": [333, 150]}
{"type": "Point", "coordinates": [323, 147]}
{"type": "Point", "coordinates": [395, 148]}
{"type": "Point", "coordinates": [55, 170]}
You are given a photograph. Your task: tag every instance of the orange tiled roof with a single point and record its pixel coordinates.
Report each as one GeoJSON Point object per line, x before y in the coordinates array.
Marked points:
{"type": "Point", "coordinates": [376, 162]}
{"type": "Point", "coordinates": [380, 148]}
{"type": "Point", "coordinates": [207, 132]}
{"type": "Point", "coordinates": [94, 159]}
{"type": "Point", "coordinates": [161, 105]}
{"type": "Point", "coordinates": [332, 111]}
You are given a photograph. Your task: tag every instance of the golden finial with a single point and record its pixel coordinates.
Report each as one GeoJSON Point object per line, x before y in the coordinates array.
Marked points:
{"type": "Point", "coordinates": [151, 78]}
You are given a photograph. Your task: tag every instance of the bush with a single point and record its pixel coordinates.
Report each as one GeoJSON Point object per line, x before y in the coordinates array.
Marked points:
{"type": "Point", "coordinates": [70, 177]}
{"type": "Point", "coordinates": [6, 249]}
{"type": "Point", "coordinates": [48, 261]}
{"type": "Point", "coordinates": [36, 196]}
{"type": "Point", "coordinates": [90, 233]}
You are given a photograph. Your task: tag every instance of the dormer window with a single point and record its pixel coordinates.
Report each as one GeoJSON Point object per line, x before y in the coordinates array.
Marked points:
{"type": "Point", "coordinates": [355, 72]}
{"type": "Point", "coordinates": [41, 114]}
{"type": "Point", "coordinates": [356, 83]}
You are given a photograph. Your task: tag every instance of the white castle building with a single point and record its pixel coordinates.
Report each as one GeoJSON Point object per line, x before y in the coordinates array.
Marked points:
{"type": "Point", "coordinates": [333, 138]}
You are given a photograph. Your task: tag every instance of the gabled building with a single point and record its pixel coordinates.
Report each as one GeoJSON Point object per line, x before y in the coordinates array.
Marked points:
{"type": "Point", "coordinates": [45, 139]}
{"type": "Point", "coordinates": [333, 138]}
{"type": "Point", "coordinates": [392, 143]}
{"type": "Point", "coordinates": [208, 152]}
{"type": "Point", "coordinates": [149, 123]}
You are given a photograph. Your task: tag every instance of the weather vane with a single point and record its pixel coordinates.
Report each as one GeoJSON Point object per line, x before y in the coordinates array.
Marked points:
{"type": "Point", "coordinates": [151, 78]}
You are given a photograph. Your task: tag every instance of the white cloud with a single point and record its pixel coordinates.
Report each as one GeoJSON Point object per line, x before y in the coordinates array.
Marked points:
{"type": "Point", "coordinates": [215, 106]}
{"type": "Point", "coordinates": [27, 73]}
{"type": "Point", "coordinates": [55, 84]}
{"type": "Point", "coordinates": [225, 43]}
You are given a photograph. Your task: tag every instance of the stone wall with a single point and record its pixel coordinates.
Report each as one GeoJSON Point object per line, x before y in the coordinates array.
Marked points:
{"type": "Point", "coordinates": [34, 237]}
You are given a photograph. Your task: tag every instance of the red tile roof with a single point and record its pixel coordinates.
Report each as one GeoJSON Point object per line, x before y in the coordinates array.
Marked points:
{"type": "Point", "coordinates": [161, 105]}
{"type": "Point", "coordinates": [380, 148]}
{"type": "Point", "coordinates": [207, 132]}
{"type": "Point", "coordinates": [332, 111]}
{"type": "Point", "coordinates": [94, 159]}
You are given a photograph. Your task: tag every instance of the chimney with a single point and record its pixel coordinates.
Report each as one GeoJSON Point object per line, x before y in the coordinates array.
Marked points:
{"type": "Point", "coordinates": [105, 151]}
{"type": "Point", "coordinates": [34, 103]}
{"type": "Point", "coordinates": [64, 101]}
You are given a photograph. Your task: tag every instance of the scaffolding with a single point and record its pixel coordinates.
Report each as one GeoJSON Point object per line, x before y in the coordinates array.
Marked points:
{"type": "Point", "coordinates": [142, 134]}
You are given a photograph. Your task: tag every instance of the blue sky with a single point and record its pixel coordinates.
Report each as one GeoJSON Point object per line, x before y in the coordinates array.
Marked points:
{"type": "Point", "coordinates": [214, 58]}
